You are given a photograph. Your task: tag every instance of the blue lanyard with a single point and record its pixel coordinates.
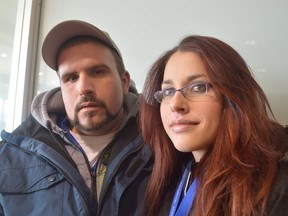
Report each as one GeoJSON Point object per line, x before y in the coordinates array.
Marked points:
{"type": "Point", "coordinates": [186, 203]}
{"type": "Point", "coordinates": [63, 122]}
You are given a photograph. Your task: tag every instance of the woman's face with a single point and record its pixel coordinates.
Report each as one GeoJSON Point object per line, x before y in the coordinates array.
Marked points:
{"type": "Point", "coordinates": [192, 124]}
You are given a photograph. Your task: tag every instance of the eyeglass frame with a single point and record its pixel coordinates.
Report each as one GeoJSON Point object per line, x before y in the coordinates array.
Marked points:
{"type": "Point", "coordinates": [159, 95]}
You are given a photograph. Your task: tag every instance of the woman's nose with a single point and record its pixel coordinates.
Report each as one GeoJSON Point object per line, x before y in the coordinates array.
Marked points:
{"type": "Point", "coordinates": [178, 103]}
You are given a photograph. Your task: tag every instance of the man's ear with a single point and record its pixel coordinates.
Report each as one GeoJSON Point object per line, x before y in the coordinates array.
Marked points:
{"type": "Point", "coordinates": [132, 87]}
{"type": "Point", "coordinates": [125, 78]}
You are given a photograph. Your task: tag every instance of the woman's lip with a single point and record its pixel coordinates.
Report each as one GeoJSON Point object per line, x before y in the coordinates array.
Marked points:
{"type": "Point", "coordinates": [183, 122]}
{"type": "Point", "coordinates": [178, 126]}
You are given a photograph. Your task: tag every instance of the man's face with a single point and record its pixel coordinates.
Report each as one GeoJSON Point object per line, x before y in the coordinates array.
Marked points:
{"type": "Point", "coordinates": [92, 88]}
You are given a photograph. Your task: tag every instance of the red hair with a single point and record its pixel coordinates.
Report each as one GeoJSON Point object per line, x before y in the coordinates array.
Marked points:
{"type": "Point", "coordinates": [237, 172]}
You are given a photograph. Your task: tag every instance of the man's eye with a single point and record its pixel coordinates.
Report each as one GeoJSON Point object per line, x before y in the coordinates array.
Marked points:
{"type": "Point", "coordinates": [70, 78]}
{"type": "Point", "coordinates": [198, 88]}
{"type": "Point", "coordinates": [96, 72]}
{"type": "Point", "coordinates": [168, 92]}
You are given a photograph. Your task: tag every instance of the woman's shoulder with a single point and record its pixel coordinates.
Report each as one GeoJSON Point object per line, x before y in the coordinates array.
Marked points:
{"type": "Point", "coordinates": [283, 165]}
{"type": "Point", "coordinates": [281, 178]}
{"type": "Point", "coordinates": [278, 200]}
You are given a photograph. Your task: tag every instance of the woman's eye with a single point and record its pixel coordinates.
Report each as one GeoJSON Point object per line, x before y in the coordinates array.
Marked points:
{"type": "Point", "coordinates": [198, 88]}
{"type": "Point", "coordinates": [168, 91]}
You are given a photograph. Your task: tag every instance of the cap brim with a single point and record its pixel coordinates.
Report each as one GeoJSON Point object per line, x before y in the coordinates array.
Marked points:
{"type": "Point", "coordinates": [65, 31]}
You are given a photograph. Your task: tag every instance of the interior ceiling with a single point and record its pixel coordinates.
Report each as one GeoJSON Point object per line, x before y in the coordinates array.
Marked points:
{"type": "Point", "coordinates": [143, 30]}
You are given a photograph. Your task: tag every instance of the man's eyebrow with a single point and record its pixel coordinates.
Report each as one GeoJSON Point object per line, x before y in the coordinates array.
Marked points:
{"type": "Point", "coordinates": [101, 65]}
{"type": "Point", "coordinates": [92, 67]}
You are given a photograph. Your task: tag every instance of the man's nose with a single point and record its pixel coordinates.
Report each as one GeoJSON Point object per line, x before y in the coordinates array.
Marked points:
{"type": "Point", "coordinates": [85, 85]}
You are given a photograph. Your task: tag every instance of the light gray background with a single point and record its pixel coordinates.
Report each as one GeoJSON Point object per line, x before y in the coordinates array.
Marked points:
{"type": "Point", "coordinates": [257, 29]}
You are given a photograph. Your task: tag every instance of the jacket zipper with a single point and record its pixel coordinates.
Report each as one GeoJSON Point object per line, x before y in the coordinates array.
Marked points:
{"type": "Point", "coordinates": [104, 189]}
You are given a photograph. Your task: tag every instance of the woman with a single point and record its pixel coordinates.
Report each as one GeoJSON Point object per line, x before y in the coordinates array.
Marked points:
{"type": "Point", "coordinates": [202, 98]}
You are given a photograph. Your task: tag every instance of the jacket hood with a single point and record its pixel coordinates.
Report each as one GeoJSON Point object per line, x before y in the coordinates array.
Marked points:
{"type": "Point", "coordinates": [48, 106]}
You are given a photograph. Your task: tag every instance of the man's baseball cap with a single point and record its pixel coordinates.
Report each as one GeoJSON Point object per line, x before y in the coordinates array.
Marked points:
{"type": "Point", "coordinates": [67, 30]}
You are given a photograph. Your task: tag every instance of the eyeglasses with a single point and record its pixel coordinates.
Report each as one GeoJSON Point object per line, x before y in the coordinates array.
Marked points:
{"type": "Point", "coordinates": [193, 92]}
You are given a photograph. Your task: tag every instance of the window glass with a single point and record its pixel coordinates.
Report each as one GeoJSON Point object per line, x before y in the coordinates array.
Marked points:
{"type": "Point", "coordinates": [8, 12]}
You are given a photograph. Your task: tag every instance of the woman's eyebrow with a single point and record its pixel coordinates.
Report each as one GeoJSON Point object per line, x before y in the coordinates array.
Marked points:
{"type": "Point", "coordinates": [168, 81]}
{"type": "Point", "coordinates": [196, 76]}
{"type": "Point", "coordinates": [188, 78]}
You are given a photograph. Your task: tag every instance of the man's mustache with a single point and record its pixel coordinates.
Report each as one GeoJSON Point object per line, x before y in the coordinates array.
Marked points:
{"type": "Point", "coordinates": [93, 101]}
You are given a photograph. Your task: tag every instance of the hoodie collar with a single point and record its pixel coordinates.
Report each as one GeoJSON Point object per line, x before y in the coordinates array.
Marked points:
{"type": "Point", "coordinates": [48, 106]}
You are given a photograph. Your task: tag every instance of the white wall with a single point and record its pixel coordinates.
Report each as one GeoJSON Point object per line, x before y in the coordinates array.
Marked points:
{"type": "Point", "coordinates": [144, 29]}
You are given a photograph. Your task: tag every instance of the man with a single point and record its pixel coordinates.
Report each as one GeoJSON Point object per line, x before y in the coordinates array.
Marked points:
{"type": "Point", "coordinates": [80, 151]}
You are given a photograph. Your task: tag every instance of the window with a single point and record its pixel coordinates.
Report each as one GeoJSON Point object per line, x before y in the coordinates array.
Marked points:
{"type": "Point", "coordinates": [7, 32]}
{"type": "Point", "coordinates": [18, 43]}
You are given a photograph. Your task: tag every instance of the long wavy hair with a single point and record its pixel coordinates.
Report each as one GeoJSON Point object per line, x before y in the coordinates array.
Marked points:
{"type": "Point", "coordinates": [237, 172]}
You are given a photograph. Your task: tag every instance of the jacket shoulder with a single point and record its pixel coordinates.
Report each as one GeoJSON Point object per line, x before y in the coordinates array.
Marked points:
{"type": "Point", "coordinates": [278, 201]}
